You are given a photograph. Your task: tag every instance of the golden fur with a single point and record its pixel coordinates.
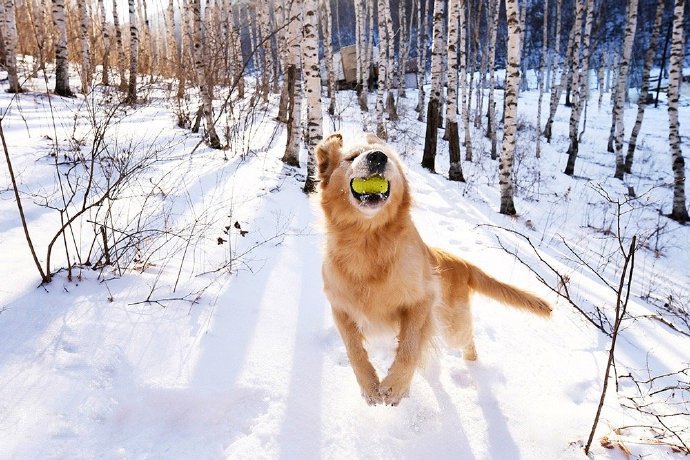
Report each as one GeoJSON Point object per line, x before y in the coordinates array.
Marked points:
{"type": "Point", "coordinates": [379, 274]}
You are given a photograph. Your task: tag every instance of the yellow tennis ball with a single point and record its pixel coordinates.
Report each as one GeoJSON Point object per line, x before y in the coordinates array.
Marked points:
{"type": "Point", "coordinates": [373, 184]}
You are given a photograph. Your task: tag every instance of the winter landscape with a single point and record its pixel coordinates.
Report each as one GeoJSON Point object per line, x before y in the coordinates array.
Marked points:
{"type": "Point", "coordinates": [161, 294]}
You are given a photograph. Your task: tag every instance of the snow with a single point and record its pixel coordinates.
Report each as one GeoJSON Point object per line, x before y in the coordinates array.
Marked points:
{"type": "Point", "coordinates": [207, 350]}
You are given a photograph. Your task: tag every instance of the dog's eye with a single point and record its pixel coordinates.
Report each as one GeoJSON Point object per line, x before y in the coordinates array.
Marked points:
{"type": "Point", "coordinates": [352, 158]}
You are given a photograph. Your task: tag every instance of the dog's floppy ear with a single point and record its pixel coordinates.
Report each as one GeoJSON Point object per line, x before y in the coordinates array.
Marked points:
{"type": "Point", "coordinates": [328, 156]}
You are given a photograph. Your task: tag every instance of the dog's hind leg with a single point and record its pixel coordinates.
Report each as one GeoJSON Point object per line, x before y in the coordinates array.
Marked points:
{"type": "Point", "coordinates": [359, 359]}
{"type": "Point", "coordinates": [457, 326]}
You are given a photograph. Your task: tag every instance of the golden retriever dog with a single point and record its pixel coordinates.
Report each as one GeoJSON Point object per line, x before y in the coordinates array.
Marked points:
{"type": "Point", "coordinates": [379, 275]}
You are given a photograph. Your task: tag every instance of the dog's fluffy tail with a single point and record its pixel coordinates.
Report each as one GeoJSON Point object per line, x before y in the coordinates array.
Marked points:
{"type": "Point", "coordinates": [505, 293]}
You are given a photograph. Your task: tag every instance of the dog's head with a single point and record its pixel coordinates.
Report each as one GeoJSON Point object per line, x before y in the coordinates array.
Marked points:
{"type": "Point", "coordinates": [363, 183]}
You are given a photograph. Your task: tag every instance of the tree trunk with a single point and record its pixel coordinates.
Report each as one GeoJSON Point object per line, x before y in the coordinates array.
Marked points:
{"type": "Point", "coordinates": [327, 22]}
{"type": "Point", "coordinates": [173, 61]}
{"type": "Point", "coordinates": [61, 63]}
{"type": "Point", "coordinates": [85, 45]}
{"type": "Point", "coordinates": [312, 89]}
{"type": "Point", "coordinates": [205, 88]}
{"type": "Point", "coordinates": [455, 170]}
{"type": "Point", "coordinates": [621, 87]}
{"type": "Point", "coordinates": [133, 55]}
{"type": "Point", "coordinates": [542, 77]}
{"type": "Point", "coordinates": [463, 82]}
{"type": "Point", "coordinates": [505, 168]}
{"type": "Point", "coordinates": [105, 79]}
{"type": "Point", "coordinates": [381, 131]}
{"type": "Point", "coordinates": [579, 79]}
{"type": "Point", "coordinates": [679, 211]}
{"type": "Point", "coordinates": [644, 91]}
{"type": "Point", "coordinates": [491, 110]}
{"type": "Point", "coordinates": [37, 15]}
{"type": "Point", "coordinates": [432, 114]}
{"type": "Point", "coordinates": [556, 87]}
{"type": "Point", "coordinates": [10, 35]}
{"type": "Point", "coordinates": [422, 32]}
{"type": "Point", "coordinates": [294, 87]}
{"type": "Point", "coordinates": [392, 79]}
{"type": "Point", "coordinates": [121, 59]}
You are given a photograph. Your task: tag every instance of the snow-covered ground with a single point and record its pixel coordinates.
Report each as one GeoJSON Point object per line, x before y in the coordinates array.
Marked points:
{"type": "Point", "coordinates": [217, 341]}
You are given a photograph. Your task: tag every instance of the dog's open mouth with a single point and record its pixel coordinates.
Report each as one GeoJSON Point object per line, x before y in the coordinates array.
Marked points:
{"type": "Point", "coordinates": [370, 191]}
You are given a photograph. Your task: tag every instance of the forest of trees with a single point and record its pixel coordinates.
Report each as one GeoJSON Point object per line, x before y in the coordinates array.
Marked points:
{"type": "Point", "coordinates": [457, 44]}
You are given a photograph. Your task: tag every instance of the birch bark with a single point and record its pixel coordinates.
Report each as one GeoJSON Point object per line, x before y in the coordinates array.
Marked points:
{"type": "Point", "coordinates": [121, 59]}
{"type": "Point", "coordinates": [133, 54]}
{"type": "Point", "coordinates": [505, 168]}
{"type": "Point", "coordinates": [205, 89]}
{"type": "Point", "coordinates": [644, 90]}
{"type": "Point", "coordinates": [621, 87]}
{"type": "Point", "coordinates": [10, 35]}
{"type": "Point", "coordinates": [61, 64]}
{"type": "Point", "coordinates": [312, 89]}
{"type": "Point", "coordinates": [432, 114]}
{"type": "Point", "coordinates": [455, 169]}
{"type": "Point", "coordinates": [679, 211]}
{"type": "Point", "coordinates": [291, 156]}
{"type": "Point", "coordinates": [85, 45]}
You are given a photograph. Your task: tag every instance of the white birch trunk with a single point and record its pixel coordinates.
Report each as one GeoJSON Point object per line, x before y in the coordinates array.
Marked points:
{"type": "Point", "coordinates": [621, 87]}
{"type": "Point", "coordinates": [121, 59]}
{"type": "Point", "coordinates": [205, 90]}
{"type": "Point", "coordinates": [505, 167]}
{"type": "Point", "coordinates": [264, 47]}
{"type": "Point", "coordinates": [10, 35]}
{"type": "Point", "coordinates": [312, 89]}
{"type": "Point", "coordinates": [85, 45]}
{"type": "Point", "coordinates": [422, 40]}
{"type": "Point", "coordinates": [61, 64]}
{"type": "Point", "coordinates": [133, 54]}
{"type": "Point", "coordinates": [291, 156]}
{"type": "Point", "coordinates": [327, 21]}
{"type": "Point", "coordinates": [463, 81]}
{"type": "Point", "coordinates": [679, 211]}
{"type": "Point", "coordinates": [556, 87]}
{"type": "Point", "coordinates": [433, 113]}
{"type": "Point", "coordinates": [106, 43]}
{"type": "Point", "coordinates": [402, 48]}
{"type": "Point", "coordinates": [491, 109]}
{"type": "Point", "coordinates": [575, 88]}
{"type": "Point", "coordinates": [644, 91]}
{"type": "Point", "coordinates": [381, 131]}
{"type": "Point", "coordinates": [364, 59]}
{"type": "Point", "coordinates": [392, 79]}
{"type": "Point", "coordinates": [37, 15]}
{"type": "Point", "coordinates": [237, 55]}
{"type": "Point", "coordinates": [173, 61]}
{"type": "Point", "coordinates": [542, 77]}
{"type": "Point", "coordinates": [455, 169]}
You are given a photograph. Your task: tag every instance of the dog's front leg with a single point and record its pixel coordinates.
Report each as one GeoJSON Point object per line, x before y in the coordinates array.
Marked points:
{"type": "Point", "coordinates": [415, 332]}
{"type": "Point", "coordinates": [359, 359]}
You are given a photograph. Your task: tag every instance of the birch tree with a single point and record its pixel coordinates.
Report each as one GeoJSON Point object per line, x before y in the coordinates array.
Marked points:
{"type": "Point", "coordinates": [312, 89]}
{"type": "Point", "coordinates": [205, 89]}
{"type": "Point", "coordinates": [542, 76]}
{"type": "Point", "coordinates": [621, 86]}
{"type": "Point", "coordinates": [173, 61]}
{"type": "Point", "coordinates": [381, 131]}
{"type": "Point", "coordinates": [105, 79]}
{"type": "Point", "coordinates": [327, 21]}
{"type": "Point", "coordinates": [294, 87]}
{"type": "Point", "coordinates": [463, 81]}
{"type": "Point", "coordinates": [491, 109]}
{"type": "Point", "coordinates": [121, 59]}
{"type": "Point", "coordinates": [580, 81]}
{"type": "Point", "coordinates": [361, 48]}
{"type": "Point", "coordinates": [61, 64]}
{"type": "Point", "coordinates": [432, 113]}
{"type": "Point", "coordinates": [7, 9]}
{"type": "Point", "coordinates": [391, 71]}
{"type": "Point", "coordinates": [37, 14]}
{"type": "Point", "coordinates": [133, 54]}
{"type": "Point", "coordinates": [455, 169]}
{"type": "Point", "coordinates": [505, 167]}
{"type": "Point", "coordinates": [422, 40]}
{"type": "Point", "coordinates": [679, 211]}
{"type": "Point", "coordinates": [556, 87]}
{"type": "Point", "coordinates": [644, 90]}
{"type": "Point", "coordinates": [85, 47]}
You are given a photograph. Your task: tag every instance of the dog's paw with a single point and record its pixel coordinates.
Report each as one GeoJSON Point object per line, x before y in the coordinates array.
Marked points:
{"type": "Point", "coordinates": [393, 390]}
{"type": "Point", "coordinates": [372, 398]}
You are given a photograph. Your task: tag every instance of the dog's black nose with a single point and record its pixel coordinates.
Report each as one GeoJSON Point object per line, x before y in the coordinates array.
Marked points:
{"type": "Point", "coordinates": [376, 161]}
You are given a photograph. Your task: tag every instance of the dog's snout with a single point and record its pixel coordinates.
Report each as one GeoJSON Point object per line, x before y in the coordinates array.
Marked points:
{"type": "Point", "coordinates": [376, 161]}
